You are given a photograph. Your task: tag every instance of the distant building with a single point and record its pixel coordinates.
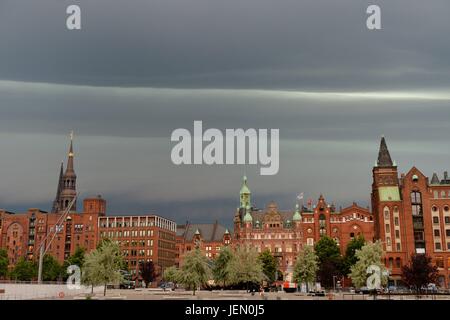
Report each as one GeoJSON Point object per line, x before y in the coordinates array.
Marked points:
{"type": "Point", "coordinates": [284, 233]}
{"type": "Point", "coordinates": [142, 239]}
{"type": "Point", "coordinates": [412, 215]}
{"type": "Point", "coordinates": [209, 238]}
{"type": "Point", "coordinates": [22, 234]}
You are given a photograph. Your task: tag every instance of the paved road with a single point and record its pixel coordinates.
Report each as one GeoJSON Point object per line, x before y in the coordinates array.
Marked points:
{"type": "Point", "coordinates": [151, 294]}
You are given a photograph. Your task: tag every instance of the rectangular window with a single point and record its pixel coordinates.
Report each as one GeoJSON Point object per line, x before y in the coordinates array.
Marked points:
{"type": "Point", "coordinates": [437, 233]}
{"type": "Point", "coordinates": [447, 220]}
{"type": "Point", "coordinates": [436, 220]}
{"type": "Point", "coordinates": [447, 232]}
{"type": "Point", "coordinates": [388, 228]}
{"type": "Point", "coordinates": [397, 234]}
{"type": "Point", "coordinates": [437, 245]}
{"type": "Point", "coordinates": [399, 247]}
{"type": "Point", "coordinates": [396, 221]}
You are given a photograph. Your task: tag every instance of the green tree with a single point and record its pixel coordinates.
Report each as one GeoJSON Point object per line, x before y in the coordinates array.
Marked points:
{"type": "Point", "coordinates": [420, 272]}
{"type": "Point", "coordinates": [269, 265]}
{"type": "Point", "coordinates": [245, 267]}
{"type": "Point", "coordinates": [103, 265]}
{"type": "Point", "coordinates": [195, 271]}
{"type": "Point", "coordinates": [24, 270]}
{"type": "Point", "coordinates": [221, 272]}
{"type": "Point", "coordinates": [51, 269]}
{"type": "Point", "coordinates": [306, 266]}
{"type": "Point", "coordinates": [369, 255]}
{"type": "Point", "coordinates": [77, 258]}
{"type": "Point", "coordinates": [172, 274]}
{"type": "Point", "coordinates": [330, 261]}
{"type": "Point", "coordinates": [350, 253]}
{"type": "Point", "coordinates": [4, 262]}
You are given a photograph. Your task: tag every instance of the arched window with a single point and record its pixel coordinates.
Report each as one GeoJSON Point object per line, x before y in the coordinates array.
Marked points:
{"type": "Point", "coordinates": [386, 213]}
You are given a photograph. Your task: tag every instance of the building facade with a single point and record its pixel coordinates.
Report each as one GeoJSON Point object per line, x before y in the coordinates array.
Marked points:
{"type": "Point", "coordinates": [141, 239]}
{"type": "Point", "coordinates": [412, 215]}
{"type": "Point", "coordinates": [284, 233]}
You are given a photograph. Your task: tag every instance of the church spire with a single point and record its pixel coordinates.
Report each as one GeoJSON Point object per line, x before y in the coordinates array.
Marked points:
{"type": "Point", "coordinates": [384, 158]}
{"type": "Point", "coordinates": [69, 180]}
{"type": "Point", "coordinates": [56, 202]}
{"type": "Point", "coordinates": [70, 155]}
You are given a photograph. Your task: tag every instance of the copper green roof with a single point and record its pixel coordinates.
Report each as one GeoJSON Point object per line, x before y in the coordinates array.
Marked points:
{"type": "Point", "coordinates": [297, 216]}
{"type": "Point", "coordinates": [248, 217]}
{"type": "Point", "coordinates": [244, 188]}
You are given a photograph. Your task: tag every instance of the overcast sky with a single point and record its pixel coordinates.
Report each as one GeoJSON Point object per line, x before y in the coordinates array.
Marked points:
{"type": "Point", "coordinates": [139, 69]}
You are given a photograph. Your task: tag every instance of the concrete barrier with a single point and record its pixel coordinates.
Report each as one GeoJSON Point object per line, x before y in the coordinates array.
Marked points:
{"type": "Point", "coordinates": [15, 291]}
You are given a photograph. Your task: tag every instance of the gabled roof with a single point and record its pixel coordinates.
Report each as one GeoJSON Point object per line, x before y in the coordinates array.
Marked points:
{"type": "Point", "coordinates": [211, 232]}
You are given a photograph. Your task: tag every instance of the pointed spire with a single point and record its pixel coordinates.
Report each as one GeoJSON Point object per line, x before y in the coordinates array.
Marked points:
{"type": "Point", "coordinates": [56, 202]}
{"type": "Point", "coordinates": [70, 155]}
{"type": "Point", "coordinates": [384, 158]}
{"type": "Point", "coordinates": [435, 179]}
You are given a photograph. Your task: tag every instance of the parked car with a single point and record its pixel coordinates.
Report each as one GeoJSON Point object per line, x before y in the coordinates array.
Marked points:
{"type": "Point", "coordinates": [362, 290]}
{"type": "Point", "coordinates": [167, 286]}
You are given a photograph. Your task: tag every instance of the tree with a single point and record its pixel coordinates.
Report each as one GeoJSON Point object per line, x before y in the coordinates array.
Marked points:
{"type": "Point", "coordinates": [77, 258]}
{"type": "Point", "coordinates": [245, 267]}
{"type": "Point", "coordinates": [330, 261]}
{"type": "Point", "coordinates": [269, 265]}
{"type": "Point", "coordinates": [51, 269]}
{"type": "Point", "coordinates": [4, 262]}
{"type": "Point", "coordinates": [147, 270]}
{"type": "Point", "coordinates": [369, 255]}
{"type": "Point", "coordinates": [24, 270]}
{"type": "Point", "coordinates": [350, 253]}
{"type": "Point", "coordinates": [195, 270]}
{"type": "Point", "coordinates": [103, 265]}
{"type": "Point", "coordinates": [419, 273]}
{"type": "Point", "coordinates": [172, 274]}
{"type": "Point", "coordinates": [306, 266]}
{"type": "Point", "coordinates": [221, 272]}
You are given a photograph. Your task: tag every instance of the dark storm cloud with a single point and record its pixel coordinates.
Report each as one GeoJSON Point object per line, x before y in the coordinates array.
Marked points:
{"type": "Point", "coordinates": [287, 44]}
{"type": "Point", "coordinates": [139, 69]}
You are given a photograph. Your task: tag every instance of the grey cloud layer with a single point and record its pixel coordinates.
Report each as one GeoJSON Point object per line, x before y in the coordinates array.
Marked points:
{"type": "Point", "coordinates": [139, 69]}
{"type": "Point", "coordinates": [286, 44]}
{"type": "Point", "coordinates": [123, 143]}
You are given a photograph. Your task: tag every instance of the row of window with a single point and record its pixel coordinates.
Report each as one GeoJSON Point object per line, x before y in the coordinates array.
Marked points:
{"type": "Point", "coordinates": [126, 234]}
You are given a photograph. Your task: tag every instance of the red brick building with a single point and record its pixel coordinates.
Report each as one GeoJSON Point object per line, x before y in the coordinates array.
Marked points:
{"type": "Point", "coordinates": [412, 215]}
{"type": "Point", "coordinates": [284, 233]}
{"type": "Point", "coordinates": [210, 238]}
{"type": "Point", "coordinates": [142, 239]}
